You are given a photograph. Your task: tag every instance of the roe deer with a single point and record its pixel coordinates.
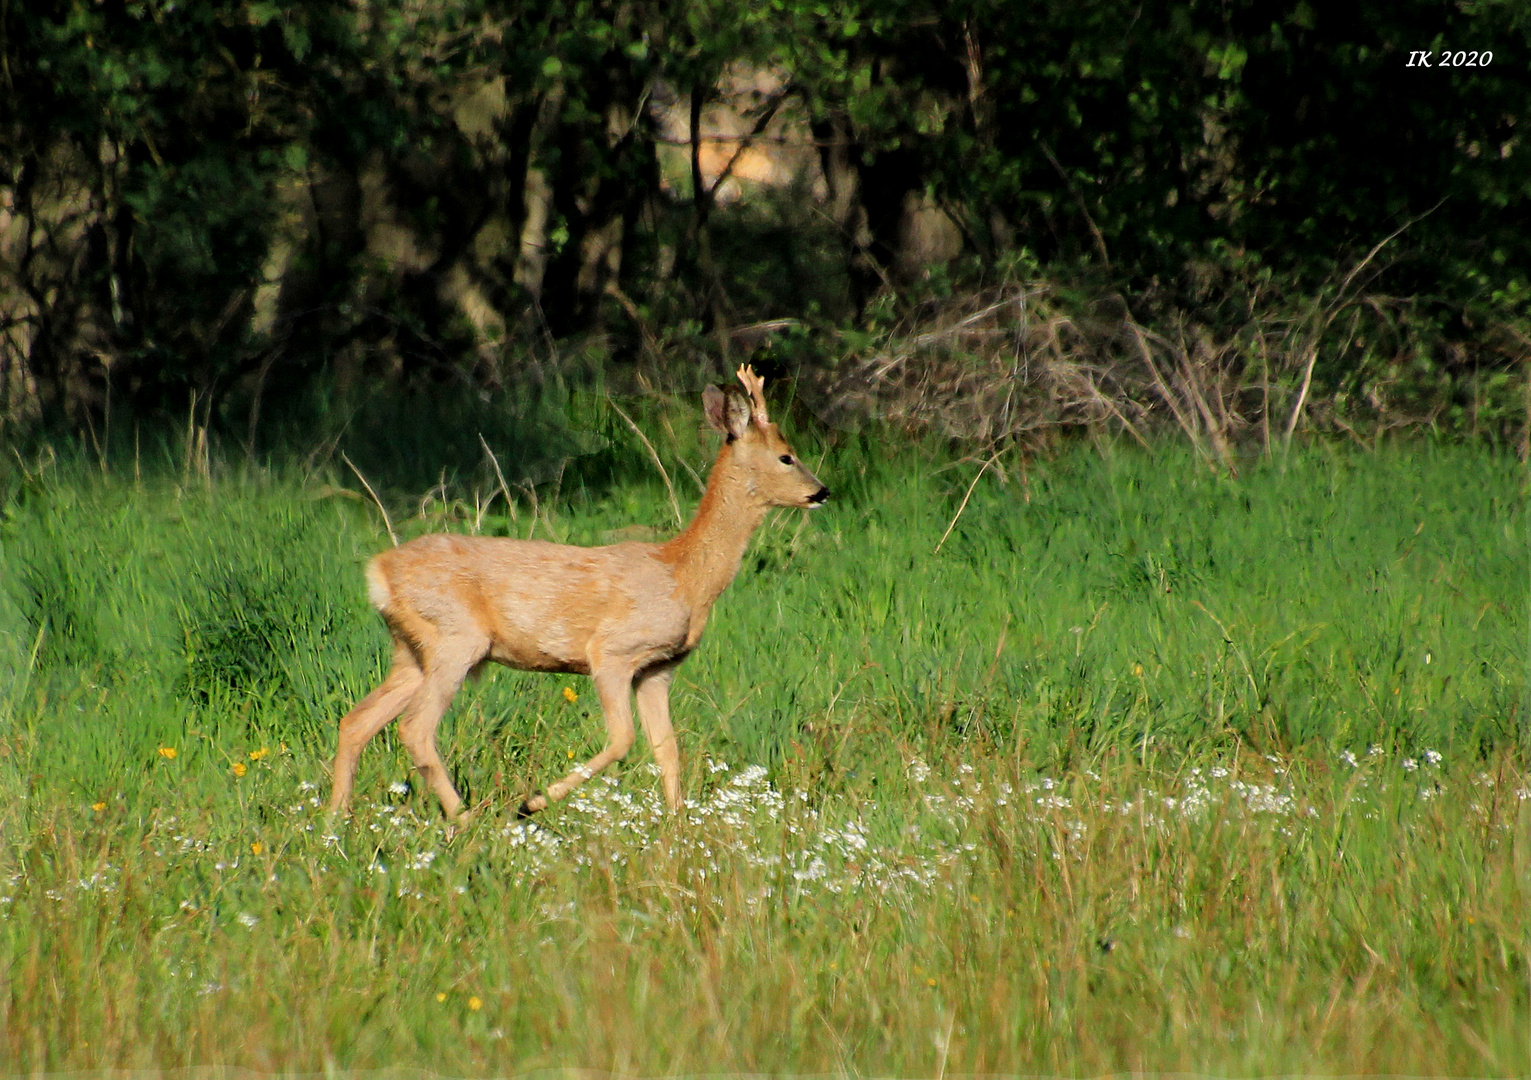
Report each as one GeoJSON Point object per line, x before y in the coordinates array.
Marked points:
{"type": "Point", "coordinates": [626, 615]}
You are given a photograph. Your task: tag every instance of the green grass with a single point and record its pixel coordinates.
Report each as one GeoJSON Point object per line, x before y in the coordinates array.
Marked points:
{"type": "Point", "coordinates": [1070, 794]}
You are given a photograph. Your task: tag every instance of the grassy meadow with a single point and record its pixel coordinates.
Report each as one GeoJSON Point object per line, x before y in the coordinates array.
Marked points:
{"type": "Point", "coordinates": [1099, 763]}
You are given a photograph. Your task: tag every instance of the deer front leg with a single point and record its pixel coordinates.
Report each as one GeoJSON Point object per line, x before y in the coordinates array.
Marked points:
{"type": "Point", "coordinates": [653, 693]}
{"type": "Point", "coordinates": [615, 687]}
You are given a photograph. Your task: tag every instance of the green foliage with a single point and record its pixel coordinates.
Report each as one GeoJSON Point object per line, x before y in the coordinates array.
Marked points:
{"type": "Point", "coordinates": [212, 195]}
{"type": "Point", "coordinates": [1298, 135]}
{"type": "Point", "coordinates": [1069, 794]}
{"type": "Point", "coordinates": [1088, 606]}
{"type": "Point", "coordinates": [250, 613]}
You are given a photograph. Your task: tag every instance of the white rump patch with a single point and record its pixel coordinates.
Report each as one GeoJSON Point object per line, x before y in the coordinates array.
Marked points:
{"type": "Point", "coordinates": [378, 591]}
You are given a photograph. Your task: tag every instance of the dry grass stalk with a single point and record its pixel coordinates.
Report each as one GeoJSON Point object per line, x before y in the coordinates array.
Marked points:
{"type": "Point", "coordinates": [1025, 363]}
{"type": "Point", "coordinates": [388, 524]}
{"type": "Point", "coordinates": [653, 456]}
{"type": "Point", "coordinates": [499, 476]}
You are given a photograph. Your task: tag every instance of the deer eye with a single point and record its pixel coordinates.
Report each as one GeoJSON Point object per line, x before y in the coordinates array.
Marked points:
{"type": "Point", "coordinates": [786, 459]}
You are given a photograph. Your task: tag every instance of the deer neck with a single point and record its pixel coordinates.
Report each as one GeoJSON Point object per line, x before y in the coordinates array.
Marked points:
{"type": "Point", "coordinates": [707, 553]}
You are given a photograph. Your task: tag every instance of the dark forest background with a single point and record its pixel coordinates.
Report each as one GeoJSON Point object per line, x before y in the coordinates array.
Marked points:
{"type": "Point", "coordinates": [1240, 220]}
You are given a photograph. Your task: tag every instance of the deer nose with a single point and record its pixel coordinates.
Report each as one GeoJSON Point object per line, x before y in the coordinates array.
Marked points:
{"type": "Point", "coordinates": [819, 496]}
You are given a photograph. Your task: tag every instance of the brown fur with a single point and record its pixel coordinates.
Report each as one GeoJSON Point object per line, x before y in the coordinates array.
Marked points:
{"type": "Point", "coordinates": [626, 614]}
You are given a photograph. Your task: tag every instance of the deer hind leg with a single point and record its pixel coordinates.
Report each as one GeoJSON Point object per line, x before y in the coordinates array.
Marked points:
{"type": "Point", "coordinates": [417, 730]}
{"type": "Point", "coordinates": [614, 685]}
{"type": "Point", "coordinates": [370, 716]}
{"type": "Point", "coordinates": [653, 693]}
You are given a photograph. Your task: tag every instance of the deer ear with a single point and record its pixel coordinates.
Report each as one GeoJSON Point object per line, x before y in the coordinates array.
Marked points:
{"type": "Point", "coordinates": [728, 413]}
{"type": "Point", "coordinates": [713, 406]}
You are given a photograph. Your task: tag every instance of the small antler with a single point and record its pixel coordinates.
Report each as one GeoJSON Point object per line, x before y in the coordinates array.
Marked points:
{"type": "Point", "coordinates": [754, 385]}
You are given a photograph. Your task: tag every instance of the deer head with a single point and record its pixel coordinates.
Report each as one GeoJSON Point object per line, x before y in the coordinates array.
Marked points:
{"type": "Point", "coordinates": [756, 451]}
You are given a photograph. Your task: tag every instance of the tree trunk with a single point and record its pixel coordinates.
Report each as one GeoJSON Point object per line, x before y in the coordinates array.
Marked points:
{"type": "Point", "coordinates": [603, 177]}
{"type": "Point", "coordinates": [842, 177]}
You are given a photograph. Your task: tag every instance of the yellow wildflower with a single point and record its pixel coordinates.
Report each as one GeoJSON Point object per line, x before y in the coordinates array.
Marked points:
{"type": "Point", "coordinates": [475, 1004]}
{"type": "Point", "coordinates": [441, 996]}
{"type": "Point", "coordinates": [256, 755]}
{"type": "Point", "coordinates": [257, 847]}
{"type": "Point", "coordinates": [571, 755]}
{"type": "Point", "coordinates": [930, 982]}
{"type": "Point", "coordinates": [167, 752]}
{"type": "Point", "coordinates": [569, 695]}
{"type": "Point", "coordinates": [100, 806]}
{"type": "Point", "coordinates": [239, 768]}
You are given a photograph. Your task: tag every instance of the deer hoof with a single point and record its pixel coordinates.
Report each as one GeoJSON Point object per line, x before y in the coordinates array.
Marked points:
{"type": "Point", "coordinates": [532, 805]}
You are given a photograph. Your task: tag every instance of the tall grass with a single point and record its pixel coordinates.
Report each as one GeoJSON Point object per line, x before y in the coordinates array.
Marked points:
{"type": "Point", "coordinates": [1138, 768]}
